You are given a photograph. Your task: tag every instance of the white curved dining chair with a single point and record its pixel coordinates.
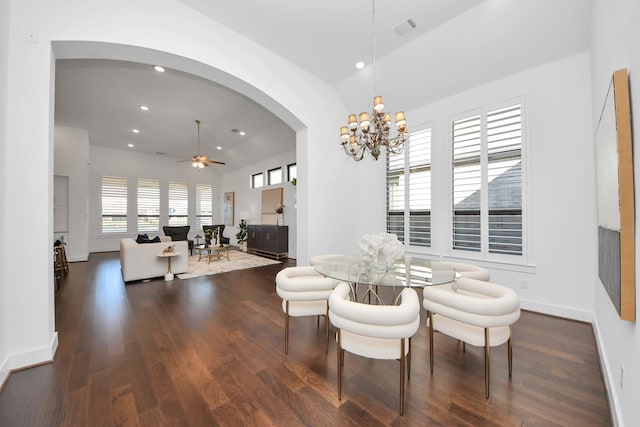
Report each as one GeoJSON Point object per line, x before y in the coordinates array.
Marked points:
{"type": "Point", "coordinates": [375, 331]}
{"type": "Point", "coordinates": [470, 271]}
{"type": "Point", "coordinates": [323, 259]}
{"type": "Point", "coordinates": [304, 292]}
{"type": "Point", "coordinates": [475, 312]}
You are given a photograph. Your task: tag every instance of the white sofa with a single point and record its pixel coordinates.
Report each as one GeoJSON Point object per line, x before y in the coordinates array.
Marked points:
{"type": "Point", "coordinates": [141, 261]}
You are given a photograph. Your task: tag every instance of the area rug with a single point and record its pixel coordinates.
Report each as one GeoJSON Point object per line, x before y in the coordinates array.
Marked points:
{"type": "Point", "coordinates": [239, 261]}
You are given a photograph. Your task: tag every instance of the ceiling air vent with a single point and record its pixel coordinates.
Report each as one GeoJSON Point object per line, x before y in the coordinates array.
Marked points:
{"type": "Point", "coordinates": [405, 27]}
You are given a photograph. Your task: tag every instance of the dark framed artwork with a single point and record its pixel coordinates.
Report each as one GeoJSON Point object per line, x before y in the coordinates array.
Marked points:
{"type": "Point", "coordinates": [616, 204]}
{"type": "Point", "coordinates": [228, 208]}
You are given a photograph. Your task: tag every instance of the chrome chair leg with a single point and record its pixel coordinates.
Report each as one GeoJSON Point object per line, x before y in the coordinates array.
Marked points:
{"type": "Point", "coordinates": [340, 359]}
{"type": "Point", "coordinates": [286, 329]}
{"type": "Point", "coordinates": [402, 362]}
{"type": "Point", "coordinates": [486, 363]}
{"type": "Point", "coordinates": [431, 341]}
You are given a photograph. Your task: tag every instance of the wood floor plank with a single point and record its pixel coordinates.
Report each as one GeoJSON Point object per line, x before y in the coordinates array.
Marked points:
{"type": "Point", "coordinates": [209, 351]}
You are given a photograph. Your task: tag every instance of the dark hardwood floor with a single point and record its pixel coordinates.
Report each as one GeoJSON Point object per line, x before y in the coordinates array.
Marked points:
{"type": "Point", "coordinates": [209, 351]}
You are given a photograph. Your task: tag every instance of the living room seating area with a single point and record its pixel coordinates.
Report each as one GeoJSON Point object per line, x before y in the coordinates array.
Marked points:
{"type": "Point", "coordinates": [140, 261]}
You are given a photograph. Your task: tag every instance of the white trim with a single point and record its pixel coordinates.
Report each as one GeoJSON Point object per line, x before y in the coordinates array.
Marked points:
{"type": "Point", "coordinates": [28, 358]}
{"type": "Point", "coordinates": [4, 372]}
{"type": "Point", "coordinates": [615, 407]}
{"type": "Point", "coordinates": [556, 310]}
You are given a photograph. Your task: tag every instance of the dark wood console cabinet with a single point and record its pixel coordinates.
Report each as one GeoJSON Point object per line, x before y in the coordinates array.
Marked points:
{"type": "Point", "coordinates": [268, 240]}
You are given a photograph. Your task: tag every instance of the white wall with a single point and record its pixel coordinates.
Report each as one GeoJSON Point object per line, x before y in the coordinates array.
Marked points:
{"type": "Point", "coordinates": [133, 165]}
{"type": "Point", "coordinates": [248, 200]}
{"type": "Point", "coordinates": [71, 159]}
{"type": "Point", "coordinates": [615, 44]}
{"type": "Point", "coordinates": [4, 181]}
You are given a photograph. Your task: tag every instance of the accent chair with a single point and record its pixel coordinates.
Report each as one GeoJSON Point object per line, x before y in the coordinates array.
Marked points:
{"type": "Point", "coordinates": [475, 312]}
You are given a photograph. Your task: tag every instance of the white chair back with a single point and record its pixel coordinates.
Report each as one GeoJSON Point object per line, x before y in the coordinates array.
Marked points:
{"type": "Point", "coordinates": [302, 283]}
{"type": "Point", "coordinates": [470, 271]}
{"type": "Point", "coordinates": [375, 321]}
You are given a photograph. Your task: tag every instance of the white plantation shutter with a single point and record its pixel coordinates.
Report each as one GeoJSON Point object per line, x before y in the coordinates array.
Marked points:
{"type": "Point", "coordinates": [395, 195]}
{"type": "Point", "coordinates": [148, 205]}
{"type": "Point", "coordinates": [409, 200]}
{"type": "Point", "coordinates": [466, 183]}
{"type": "Point", "coordinates": [114, 204]}
{"type": "Point", "coordinates": [420, 188]}
{"type": "Point", "coordinates": [487, 182]}
{"type": "Point", "coordinates": [178, 203]}
{"type": "Point", "coordinates": [504, 170]}
{"type": "Point", "coordinates": [204, 205]}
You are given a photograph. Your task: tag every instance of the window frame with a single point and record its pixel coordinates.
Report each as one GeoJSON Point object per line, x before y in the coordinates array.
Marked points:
{"type": "Point", "coordinates": [291, 176]}
{"type": "Point", "coordinates": [123, 214]}
{"type": "Point", "coordinates": [157, 205]}
{"type": "Point", "coordinates": [203, 219]}
{"type": "Point", "coordinates": [484, 254]}
{"type": "Point", "coordinates": [269, 176]}
{"type": "Point", "coordinates": [254, 176]}
{"type": "Point", "coordinates": [184, 186]}
{"type": "Point", "coordinates": [408, 232]}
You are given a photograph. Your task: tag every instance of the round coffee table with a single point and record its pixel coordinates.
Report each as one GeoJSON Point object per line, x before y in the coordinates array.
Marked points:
{"type": "Point", "coordinates": [213, 251]}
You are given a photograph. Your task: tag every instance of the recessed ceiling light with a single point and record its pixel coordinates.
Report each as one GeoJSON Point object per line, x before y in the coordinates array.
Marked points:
{"type": "Point", "coordinates": [219, 148]}
{"type": "Point", "coordinates": [359, 65]}
{"type": "Point", "coordinates": [130, 145]}
{"type": "Point", "coordinates": [238, 131]}
{"type": "Point", "coordinates": [135, 131]}
{"type": "Point", "coordinates": [159, 68]}
{"type": "Point", "coordinates": [242, 133]}
{"type": "Point", "coordinates": [144, 108]}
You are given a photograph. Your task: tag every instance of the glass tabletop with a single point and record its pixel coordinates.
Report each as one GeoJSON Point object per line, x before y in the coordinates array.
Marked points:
{"type": "Point", "coordinates": [408, 272]}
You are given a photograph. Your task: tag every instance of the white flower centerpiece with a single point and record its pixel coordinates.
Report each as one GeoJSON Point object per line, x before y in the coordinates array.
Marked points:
{"type": "Point", "coordinates": [380, 250]}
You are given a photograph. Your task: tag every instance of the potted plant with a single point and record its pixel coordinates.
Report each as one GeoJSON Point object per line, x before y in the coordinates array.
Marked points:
{"type": "Point", "coordinates": [210, 236]}
{"type": "Point", "coordinates": [241, 235]}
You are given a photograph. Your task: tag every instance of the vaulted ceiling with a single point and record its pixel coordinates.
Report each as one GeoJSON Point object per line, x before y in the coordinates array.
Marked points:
{"type": "Point", "coordinates": [455, 45]}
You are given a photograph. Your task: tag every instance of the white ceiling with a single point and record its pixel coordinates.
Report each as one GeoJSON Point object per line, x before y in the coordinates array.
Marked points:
{"type": "Point", "coordinates": [104, 96]}
{"type": "Point", "coordinates": [487, 40]}
{"type": "Point", "coordinates": [328, 37]}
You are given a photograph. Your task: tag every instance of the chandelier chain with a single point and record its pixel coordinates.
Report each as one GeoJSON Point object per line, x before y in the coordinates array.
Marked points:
{"type": "Point", "coordinates": [371, 131]}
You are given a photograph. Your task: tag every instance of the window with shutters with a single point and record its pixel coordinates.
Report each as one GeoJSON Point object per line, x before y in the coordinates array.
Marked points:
{"type": "Point", "coordinates": [114, 204]}
{"type": "Point", "coordinates": [487, 182]}
{"type": "Point", "coordinates": [178, 203]}
{"type": "Point", "coordinates": [409, 191]}
{"type": "Point", "coordinates": [148, 205]}
{"type": "Point", "coordinates": [204, 205]}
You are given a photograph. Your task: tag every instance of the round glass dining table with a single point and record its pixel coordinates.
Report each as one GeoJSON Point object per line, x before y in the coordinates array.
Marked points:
{"type": "Point", "coordinates": [407, 272]}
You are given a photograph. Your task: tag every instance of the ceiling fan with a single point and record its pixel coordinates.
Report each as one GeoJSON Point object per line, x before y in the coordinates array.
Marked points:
{"type": "Point", "coordinates": [199, 161]}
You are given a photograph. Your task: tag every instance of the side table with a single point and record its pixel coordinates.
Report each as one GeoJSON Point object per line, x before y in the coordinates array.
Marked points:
{"type": "Point", "coordinates": [169, 275]}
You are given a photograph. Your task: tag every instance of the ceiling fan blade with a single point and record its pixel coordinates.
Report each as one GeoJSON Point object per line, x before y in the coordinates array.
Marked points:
{"type": "Point", "coordinates": [185, 160]}
{"type": "Point", "coordinates": [216, 162]}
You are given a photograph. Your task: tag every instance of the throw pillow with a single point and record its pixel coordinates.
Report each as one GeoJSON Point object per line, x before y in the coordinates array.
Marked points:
{"type": "Point", "coordinates": [143, 238]}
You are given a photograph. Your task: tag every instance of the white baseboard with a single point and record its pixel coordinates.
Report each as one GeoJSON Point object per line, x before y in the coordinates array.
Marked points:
{"type": "Point", "coordinates": [4, 372]}
{"type": "Point", "coordinates": [28, 358]}
{"type": "Point", "coordinates": [557, 310]}
{"type": "Point", "coordinates": [609, 378]}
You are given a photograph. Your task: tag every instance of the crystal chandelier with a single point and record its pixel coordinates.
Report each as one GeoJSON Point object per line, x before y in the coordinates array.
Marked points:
{"type": "Point", "coordinates": [373, 131]}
